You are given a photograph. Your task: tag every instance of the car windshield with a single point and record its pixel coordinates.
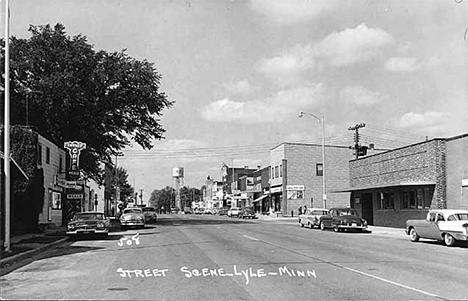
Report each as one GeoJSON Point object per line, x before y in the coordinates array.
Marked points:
{"type": "Point", "coordinates": [344, 212]}
{"type": "Point", "coordinates": [319, 212]}
{"type": "Point", "coordinates": [89, 216]}
{"type": "Point", "coordinates": [148, 209]}
{"type": "Point", "coordinates": [132, 211]}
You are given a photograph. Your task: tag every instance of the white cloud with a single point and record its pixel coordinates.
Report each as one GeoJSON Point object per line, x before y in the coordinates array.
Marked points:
{"type": "Point", "coordinates": [292, 12]}
{"type": "Point", "coordinates": [343, 48]}
{"type": "Point", "coordinates": [283, 103]}
{"type": "Point", "coordinates": [287, 67]}
{"type": "Point", "coordinates": [402, 64]}
{"type": "Point", "coordinates": [353, 45]}
{"type": "Point", "coordinates": [361, 96]}
{"type": "Point", "coordinates": [427, 119]}
{"type": "Point", "coordinates": [239, 87]}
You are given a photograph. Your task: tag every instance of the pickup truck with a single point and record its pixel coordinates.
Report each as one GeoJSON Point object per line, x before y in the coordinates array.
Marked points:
{"type": "Point", "coordinates": [447, 225]}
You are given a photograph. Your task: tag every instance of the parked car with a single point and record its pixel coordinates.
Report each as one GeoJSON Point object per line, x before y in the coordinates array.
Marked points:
{"type": "Point", "coordinates": [188, 210]}
{"type": "Point", "coordinates": [88, 223]}
{"type": "Point", "coordinates": [223, 211]}
{"type": "Point", "coordinates": [132, 217]}
{"type": "Point", "coordinates": [247, 212]}
{"type": "Point", "coordinates": [208, 211]}
{"type": "Point", "coordinates": [233, 211]}
{"type": "Point", "coordinates": [447, 225]}
{"type": "Point", "coordinates": [174, 210]}
{"type": "Point", "coordinates": [312, 217]}
{"type": "Point", "coordinates": [343, 219]}
{"type": "Point", "coordinates": [150, 214]}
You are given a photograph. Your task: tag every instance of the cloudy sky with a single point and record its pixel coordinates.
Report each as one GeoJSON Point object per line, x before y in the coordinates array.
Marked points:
{"type": "Point", "coordinates": [240, 72]}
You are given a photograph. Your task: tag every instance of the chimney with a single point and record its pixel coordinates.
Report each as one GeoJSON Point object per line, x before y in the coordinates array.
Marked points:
{"type": "Point", "coordinates": [258, 167]}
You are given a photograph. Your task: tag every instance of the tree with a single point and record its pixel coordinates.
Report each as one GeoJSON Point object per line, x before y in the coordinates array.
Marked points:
{"type": "Point", "coordinates": [120, 179]}
{"type": "Point", "coordinates": [70, 92]}
{"type": "Point", "coordinates": [164, 198]}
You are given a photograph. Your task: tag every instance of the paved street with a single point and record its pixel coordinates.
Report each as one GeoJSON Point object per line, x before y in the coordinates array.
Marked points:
{"type": "Point", "coordinates": [219, 258]}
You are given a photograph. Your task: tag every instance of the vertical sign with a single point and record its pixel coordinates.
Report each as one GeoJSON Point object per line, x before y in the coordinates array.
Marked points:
{"type": "Point", "coordinates": [74, 148]}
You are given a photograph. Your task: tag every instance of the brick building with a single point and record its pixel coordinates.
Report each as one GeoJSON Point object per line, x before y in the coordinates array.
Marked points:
{"type": "Point", "coordinates": [392, 187]}
{"type": "Point", "coordinates": [296, 176]}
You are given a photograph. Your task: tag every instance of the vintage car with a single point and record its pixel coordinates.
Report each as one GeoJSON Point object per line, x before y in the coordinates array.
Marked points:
{"type": "Point", "coordinates": [448, 225]}
{"type": "Point", "coordinates": [233, 211]}
{"type": "Point", "coordinates": [312, 217]}
{"type": "Point", "coordinates": [223, 211]}
{"type": "Point", "coordinates": [247, 212]}
{"type": "Point", "coordinates": [132, 217]}
{"type": "Point", "coordinates": [150, 214]}
{"type": "Point", "coordinates": [343, 219]}
{"type": "Point", "coordinates": [88, 223]}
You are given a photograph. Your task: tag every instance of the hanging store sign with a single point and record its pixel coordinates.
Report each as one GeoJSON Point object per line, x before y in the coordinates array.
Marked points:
{"type": "Point", "coordinates": [74, 148]}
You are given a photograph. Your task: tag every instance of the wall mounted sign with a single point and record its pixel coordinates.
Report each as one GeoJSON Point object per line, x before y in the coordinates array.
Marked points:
{"type": "Point", "coordinates": [74, 148]}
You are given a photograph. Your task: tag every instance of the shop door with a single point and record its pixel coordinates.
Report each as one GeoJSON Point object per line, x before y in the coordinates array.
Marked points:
{"type": "Point", "coordinates": [367, 208]}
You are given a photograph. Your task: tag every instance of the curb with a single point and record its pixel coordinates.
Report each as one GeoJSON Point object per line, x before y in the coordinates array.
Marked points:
{"type": "Point", "coordinates": [29, 253]}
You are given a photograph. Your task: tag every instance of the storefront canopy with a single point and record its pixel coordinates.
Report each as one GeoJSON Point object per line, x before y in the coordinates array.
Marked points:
{"type": "Point", "coordinates": [260, 198]}
{"type": "Point", "coordinates": [387, 185]}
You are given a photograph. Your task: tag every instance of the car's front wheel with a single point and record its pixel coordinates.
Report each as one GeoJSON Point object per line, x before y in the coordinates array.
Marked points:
{"type": "Point", "coordinates": [311, 226]}
{"type": "Point", "coordinates": [414, 235]}
{"type": "Point", "coordinates": [449, 240]}
{"type": "Point", "coordinates": [336, 229]}
{"type": "Point", "coordinates": [322, 226]}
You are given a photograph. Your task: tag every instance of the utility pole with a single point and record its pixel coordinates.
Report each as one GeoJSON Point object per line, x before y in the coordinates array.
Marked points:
{"type": "Point", "coordinates": [141, 196]}
{"type": "Point", "coordinates": [356, 136]}
{"type": "Point", "coordinates": [6, 138]}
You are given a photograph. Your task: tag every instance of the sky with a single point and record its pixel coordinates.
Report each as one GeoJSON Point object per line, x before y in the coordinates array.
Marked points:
{"type": "Point", "coordinates": [239, 73]}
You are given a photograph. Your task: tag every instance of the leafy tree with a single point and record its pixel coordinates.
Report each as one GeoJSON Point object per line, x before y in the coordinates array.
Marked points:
{"type": "Point", "coordinates": [70, 92]}
{"type": "Point", "coordinates": [120, 179]}
{"type": "Point", "coordinates": [164, 198]}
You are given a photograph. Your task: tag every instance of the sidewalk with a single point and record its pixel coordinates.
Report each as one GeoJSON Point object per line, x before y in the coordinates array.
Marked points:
{"type": "Point", "coordinates": [28, 244]}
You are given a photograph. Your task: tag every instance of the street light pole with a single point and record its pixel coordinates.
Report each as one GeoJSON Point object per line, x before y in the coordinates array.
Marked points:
{"type": "Point", "coordinates": [322, 121]}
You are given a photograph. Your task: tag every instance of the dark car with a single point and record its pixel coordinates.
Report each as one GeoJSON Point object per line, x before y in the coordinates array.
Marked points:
{"type": "Point", "coordinates": [150, 214]}
{"type": "Point", "coordinates": [223, 211]}
{"type": "Point", "coordinates": [88, 223]}
{"type": "Point", "coordinates": [247, 212]}
{"type": "Point", "coordinates": [343, 219]}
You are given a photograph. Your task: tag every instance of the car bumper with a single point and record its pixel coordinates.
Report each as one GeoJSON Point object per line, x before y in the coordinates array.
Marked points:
{"type": "Point", "coordinates": [87, 231]}
{"type": "Point", "coordinates": [132, 223]}
{"type": "Point", "coordinates": [351, 227]}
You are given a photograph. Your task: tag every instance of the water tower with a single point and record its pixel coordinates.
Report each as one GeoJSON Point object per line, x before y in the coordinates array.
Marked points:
{"type": "Point", "coordinates": [177, 182]}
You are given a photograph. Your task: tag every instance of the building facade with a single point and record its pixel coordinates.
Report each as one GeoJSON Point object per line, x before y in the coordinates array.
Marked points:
{"type": "Point", "coordinates": [52, 160]}
{"type": "Point", "coordinates": [401, 184]}
{"type": "Point", "coordinates": [296, 176]}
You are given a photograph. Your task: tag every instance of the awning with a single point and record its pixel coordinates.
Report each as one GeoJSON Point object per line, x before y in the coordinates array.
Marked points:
{"type": "Point", "coordinates": [260, 198]}
{"type": "Point", "coordinates": [387, 185]}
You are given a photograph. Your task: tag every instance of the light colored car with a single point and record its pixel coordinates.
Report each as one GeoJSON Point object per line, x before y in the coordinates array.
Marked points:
{"type": "Point", "coordinates": [448, 225]}
{"type": "Point", "coordinates": [88, 223]}
{"type": "Point", "coordinates": [233, 211]}
{"type": "Point", "coordinates": [311, 218]}
{"type": "Point", "coordinates": [150, 214]}
{"type": "Point", "coordinates": [132, 217]}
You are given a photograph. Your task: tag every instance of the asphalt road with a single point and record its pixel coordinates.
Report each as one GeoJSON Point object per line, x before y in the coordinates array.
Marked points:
{"type": "Point", "coordinates": [192, 257]}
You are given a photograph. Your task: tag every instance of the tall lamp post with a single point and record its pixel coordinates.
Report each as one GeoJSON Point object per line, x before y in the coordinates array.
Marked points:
{"type": "Point", "coordinates": [321, 120]}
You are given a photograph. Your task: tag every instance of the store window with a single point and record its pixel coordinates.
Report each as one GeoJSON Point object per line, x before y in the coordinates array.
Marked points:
{"type": "Point", "coordinates": [60, 164]}
{"type": "Point", "coordinates": [387, 200]}
{"type": "Point", "coordinates": [281, 170]}
{"type": "Point", "coordinates": [319, 169]}
{"type": "Point", "coordinates": [276, 172]}
{"type": "Point", "coordinates": [417, 198]}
